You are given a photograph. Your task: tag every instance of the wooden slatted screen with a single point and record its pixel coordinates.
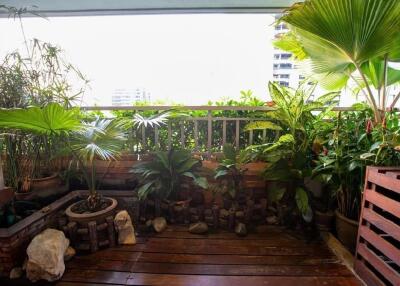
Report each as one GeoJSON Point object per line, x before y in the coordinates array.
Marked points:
{"type": "Point", "coordinates": [378, 246]}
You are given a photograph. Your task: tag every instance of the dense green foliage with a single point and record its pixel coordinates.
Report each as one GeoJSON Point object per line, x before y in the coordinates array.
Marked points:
{"type": "Point", "coordinates": [164, 174]}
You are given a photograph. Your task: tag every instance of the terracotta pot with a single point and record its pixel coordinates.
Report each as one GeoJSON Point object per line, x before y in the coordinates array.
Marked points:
{"type": "Point", "coordinates": [208, 197]}
{"type": "Point", "coordinates": [346, 230]}
{"type": "Point", "coordinates": [99, 216]}
{"type": "Point", "coordinates": [24, 196]}
{"type": "Point", "coordinates": [47, 186]}
{"type": "Point", "coordinates": [6, 195]}
{"type": "Point", "coordinates": [324, 220]}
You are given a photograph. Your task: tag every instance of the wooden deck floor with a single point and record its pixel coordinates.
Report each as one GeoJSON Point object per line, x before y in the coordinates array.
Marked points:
{"type": "Point", "coordinates": [176, 257]}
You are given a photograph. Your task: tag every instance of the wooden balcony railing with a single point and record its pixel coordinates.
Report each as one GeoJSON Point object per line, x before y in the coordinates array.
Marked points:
{"type": "Point", "coordinates": [205, 129]}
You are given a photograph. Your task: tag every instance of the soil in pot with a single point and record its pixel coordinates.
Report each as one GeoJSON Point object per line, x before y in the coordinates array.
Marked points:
{"type": "Point", "coordinates": [79, 212]}
{"type": "Point", "coordinates": [346, 230]}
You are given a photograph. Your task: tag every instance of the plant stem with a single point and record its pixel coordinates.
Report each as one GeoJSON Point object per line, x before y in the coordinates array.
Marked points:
{"type": "Point", "coordinates": [371, 95]}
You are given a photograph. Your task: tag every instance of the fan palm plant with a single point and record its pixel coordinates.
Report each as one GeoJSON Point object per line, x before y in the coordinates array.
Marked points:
{"type": "Point", "coordinates": [348, 40]}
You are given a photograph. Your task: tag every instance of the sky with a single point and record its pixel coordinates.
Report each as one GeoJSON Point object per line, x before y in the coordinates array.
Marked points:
{"type": "Point", "coordinates": [187, 59]}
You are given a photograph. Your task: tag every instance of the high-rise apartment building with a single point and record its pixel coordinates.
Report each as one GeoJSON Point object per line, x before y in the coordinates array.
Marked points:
{"type": "Point", "coordinates": [285, 70]}
{"type": "Point", "coordinates": [126, 97]}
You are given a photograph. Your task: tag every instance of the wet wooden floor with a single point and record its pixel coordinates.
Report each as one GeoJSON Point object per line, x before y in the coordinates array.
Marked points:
{"type": "Point", "coordinates": [176, 257]}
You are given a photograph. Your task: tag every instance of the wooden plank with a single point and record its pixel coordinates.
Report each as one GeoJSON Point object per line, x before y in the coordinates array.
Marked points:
{"type": "Point", "coordinates": [204, 248]}
{"type": "Point", "coordinates": [382, 223]}
{"type": "Point", "coordinates": [274, 237]}
{"type": "Point", "coordinates": [209, 280]}
{"type": "Point", "coordinates": [223, 132]}
{"type": "Point", "coordinates": [237, 134]}
{"type": "Point", "coordinates": [156, 137]}
{"type": "Point", "coordinates": [143, 137]}
{"type": "Point", "coordinates": [209, 132]}
{"type": "Point", "coordinates": [383, 180]}
{"type": "Point", "coordinates": [96, 276]}
{"type": "Point", "coordinates": [367, 275]}
{"type": "Point", "coordinates": [112, 254]}
{"type": "Point", "coordinates": [169, 135]}
{"type": "Point", "coordinates": [95, 264]}
{"type": "Point", "coordinates": [383, 202]}
{"type": "Point", "coordinates": [211, 241]}
{"type": "Point", "coordinates": [196, 135]}
{"type": "Point", "coordinates": [381, 244]}
{"type": "Point", "coordinates": [236, 259]}
{"type": "Point", "coordinates": [248, 270]}
{"type": "Point", "coordinates": [182, 127]}
{"type": "Point", "coordinates": [383, 268]}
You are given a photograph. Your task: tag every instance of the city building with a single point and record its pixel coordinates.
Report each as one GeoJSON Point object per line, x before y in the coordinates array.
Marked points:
{"type": "Point", "coordinates": [285, 70]}
{"type": "Point", "coordinates": [126, 97]}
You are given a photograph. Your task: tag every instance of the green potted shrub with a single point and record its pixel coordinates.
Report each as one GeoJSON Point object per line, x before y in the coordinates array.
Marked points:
{"type": "Point", "coordinates": [230, 172]}
{"type": "Point", "coordinates": [163, 176]}
{"type": "Point", "coordinates": [289, 157]}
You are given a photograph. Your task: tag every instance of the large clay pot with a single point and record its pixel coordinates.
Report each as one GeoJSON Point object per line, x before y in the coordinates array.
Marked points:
{"type": "Point", "coordinates": [346, 230]}
{"type": "Point", "coordinates": [85, 218]}
{"type": "Point", "coordinates": [47, 186]}
{"type": "Point", "coordinates": [324, 220]}
{"type": "Point", "coordinates": [6, 195]}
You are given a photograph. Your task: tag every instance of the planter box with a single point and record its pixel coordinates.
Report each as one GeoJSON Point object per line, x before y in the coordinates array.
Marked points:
{"type": "Point", "coordinates": [6, 196]}
{"type": "Point", "coordinates": [378, 245]}
{"type": "Point", "coordinates": [15, 239]}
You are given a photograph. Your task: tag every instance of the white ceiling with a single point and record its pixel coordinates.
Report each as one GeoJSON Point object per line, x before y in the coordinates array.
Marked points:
{"type": "Point", "coordinates": [113, 7]}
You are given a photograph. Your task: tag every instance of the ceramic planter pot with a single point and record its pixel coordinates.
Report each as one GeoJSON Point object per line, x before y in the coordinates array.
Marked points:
{"type": "Point", "coordinates": [346, 230]}
{"type": "Point", "coordinates": [99, 216]}
{"type": "Point", "coordinates": [6, 195]}
{"type": "Point", "coordinates": [324, 220]}
{"type": "Point", "coordinates": [47, 186]}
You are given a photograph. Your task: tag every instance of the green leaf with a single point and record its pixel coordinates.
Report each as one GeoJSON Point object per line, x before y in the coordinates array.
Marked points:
{"type": "Point", "coordinates": [221, 173]}
{"type": "Point", "coordinates": [261, 125]}
{"type": "Point", "coordinates": [52, 119]}
{"type": "Point", "coordinates": [275, 194]}
{"type": "Point", "coordinates": [366, 156]}
{"type": "Point", "coordinates": [302, 200]}
{"type": "Point", "coordinates": [144, 190]}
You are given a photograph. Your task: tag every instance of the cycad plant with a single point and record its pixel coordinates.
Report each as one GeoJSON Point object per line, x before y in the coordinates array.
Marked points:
{"type": "Point", "coordinates": [299, 124]}
{"type": "Point", "coordinates": [164, 174]}
{"type": "Point", "coordinates": [348, 42]}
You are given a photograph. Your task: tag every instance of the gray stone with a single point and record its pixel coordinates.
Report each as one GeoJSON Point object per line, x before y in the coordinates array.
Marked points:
{"type": "Point", "coordinates": [198, 228]}
{"type": "Point", "coordinates": [149, 223]}
{"type": "Point", "coordinates": [46, 256]}
{"type": "Point", "coordinates": [124, 227]}
{"type": "Point", "coordinates": [240, 229]}
{"type": "Point", "coordinates": [272, 219]}
{"type": "Point", "coordinates": [69, 253]}
{"type": "Point", "coordinates": [223, 213]}
{"type": "Point", "coordinates": [159, 224]}
{"type": "Point", "coordinates": [16, 273]}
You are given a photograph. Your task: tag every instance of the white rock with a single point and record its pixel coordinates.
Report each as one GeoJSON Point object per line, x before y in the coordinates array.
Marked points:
{"type": "Point", "coordinates": [16, 273]}
{"type": "Point", "coordinates": [46, 256]}
{"type": "Point", "coordinates": [198, 228]}
{"type": "Point", "coordinates": [69, 253]}
{"type": "Point", "coordinates": [124, 227]}
{"type": "Point", "coordinates": [272, 219]}
{"type": "Point", "coordinates": [159, 224]}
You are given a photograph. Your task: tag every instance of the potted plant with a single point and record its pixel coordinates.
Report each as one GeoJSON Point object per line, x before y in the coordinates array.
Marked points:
{"type": "Point", "coordinates": [99, 139]}
{"type": "Point", "coordinates": [230, 171]}
{"type": "Point", "coordinates": [290, 157]}
{"type": "Point", "coordinates": [163, 176]}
